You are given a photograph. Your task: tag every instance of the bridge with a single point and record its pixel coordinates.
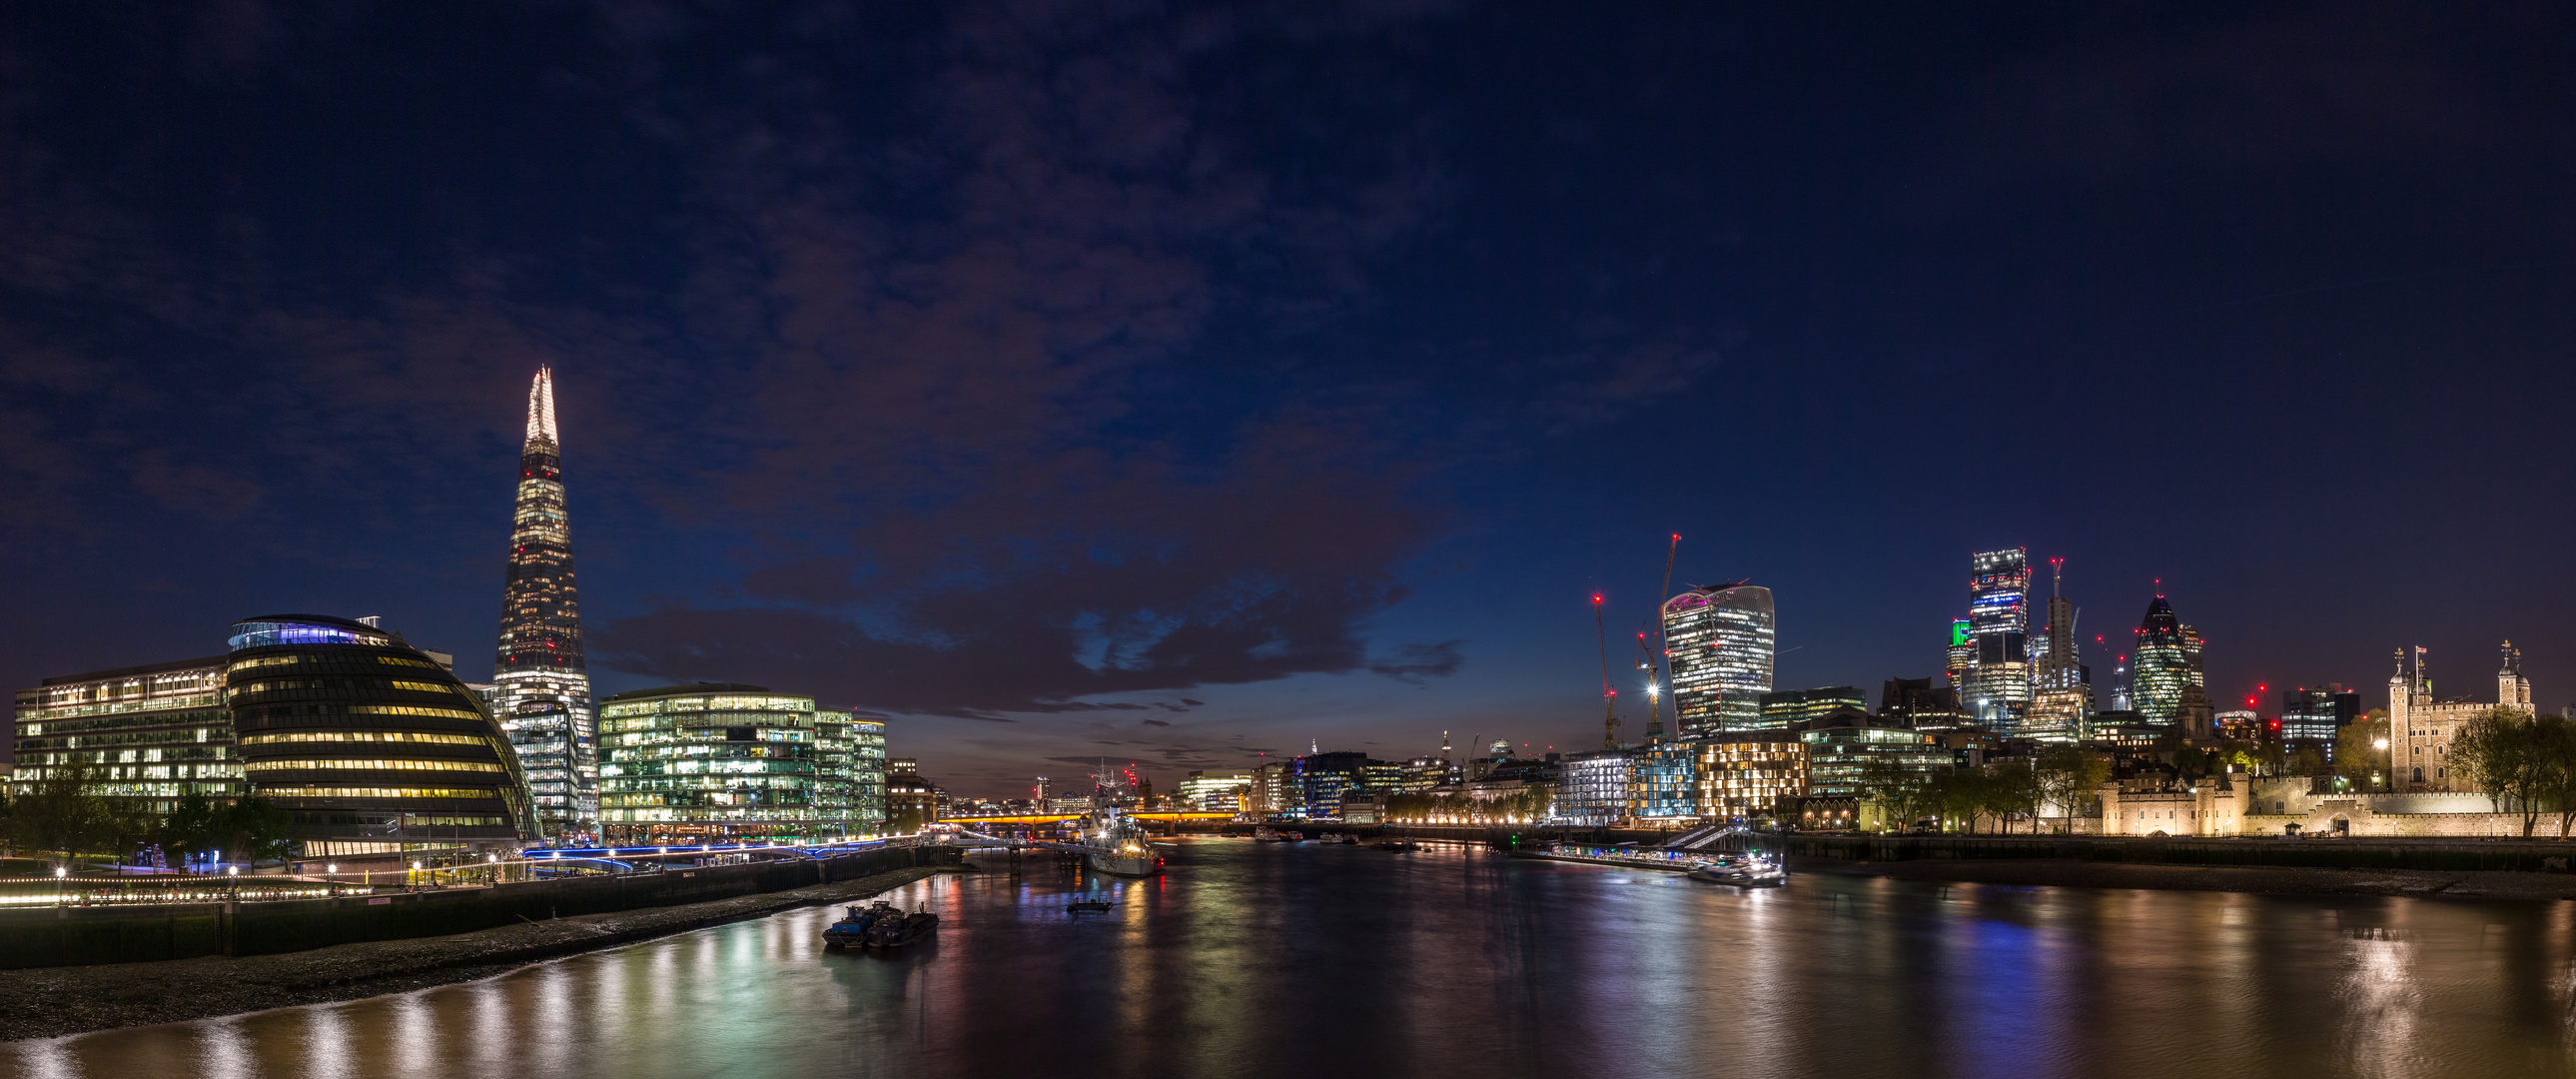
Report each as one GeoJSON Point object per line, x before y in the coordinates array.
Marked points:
{"type": "Point", "coordinates": [1172, 816]}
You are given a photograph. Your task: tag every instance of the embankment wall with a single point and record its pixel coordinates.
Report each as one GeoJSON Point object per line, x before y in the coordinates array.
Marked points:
{"type": "Point", "coordinates": [79, 936]}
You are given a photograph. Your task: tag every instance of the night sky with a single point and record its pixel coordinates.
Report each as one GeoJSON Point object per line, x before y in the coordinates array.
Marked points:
{"type": "Point", "coordinates": [1177, 383]}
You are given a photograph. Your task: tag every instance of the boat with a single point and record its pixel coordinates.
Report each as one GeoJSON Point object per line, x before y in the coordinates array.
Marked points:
{"type": "Point", "coordinates": [896, 929]}
{"type": "Point", "coordinates": [1745, 871]}
{"type": "Point", "coordinates": [1113, 842]}
{"type": "Point", "coordinates": [1329, 837]}
{"type": "Point", "coordinates": [1400, 846]}
{"type": "Point", "coordinates": [852, 930]}
{"type": "Point", "coordinates": [1273, 835]}
{"type": "Point", "coordinates": [1087, 906]}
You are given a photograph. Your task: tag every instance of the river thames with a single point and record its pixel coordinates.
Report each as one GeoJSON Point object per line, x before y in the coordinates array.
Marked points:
{"type": "Point", "coordinates": [1337, 962]}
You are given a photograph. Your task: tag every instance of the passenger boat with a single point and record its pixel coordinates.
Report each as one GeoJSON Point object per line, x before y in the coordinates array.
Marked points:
{"type": "Point", "coordinates": [1273, 835]}
{"type": "Point", "coordinates": [897, 929]}
{"type": "Point", "coordinates": [1329, 837]}
{"type": "Point", "coordinates": [852, 930]}
{"type": "Point", "coordinates": [1742, 871]}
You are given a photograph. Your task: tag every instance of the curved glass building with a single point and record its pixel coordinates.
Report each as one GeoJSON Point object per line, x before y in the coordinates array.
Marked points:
{"type": "Point", "coordinates": [1721, 644]}
{"type": "Point", "coordinates": [717, 761]}
{"type": "Point", "coordinates": [370, 745]}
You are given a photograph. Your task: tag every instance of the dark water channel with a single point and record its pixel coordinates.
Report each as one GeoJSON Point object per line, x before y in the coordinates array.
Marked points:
{"type": "Point", "coordinates": [1334, 963]}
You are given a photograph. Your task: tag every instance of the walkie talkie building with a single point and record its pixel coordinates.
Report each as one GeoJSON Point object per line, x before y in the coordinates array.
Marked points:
{"type": "Point", "coordinates": [541, 682]}
{"type": "Point", "coordinates": [1721, 641]}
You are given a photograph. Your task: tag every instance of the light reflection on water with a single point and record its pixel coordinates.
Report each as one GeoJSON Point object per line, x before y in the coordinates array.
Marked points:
{"type": "Point", "coordinates": [1335, 963]}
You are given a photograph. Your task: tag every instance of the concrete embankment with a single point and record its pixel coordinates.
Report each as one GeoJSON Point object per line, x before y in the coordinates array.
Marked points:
{"type": "Point", "coordinates": [74, 935]}
{"type": "Point", "coordinates": [71, 1000]}
{"type": "Point", "coordinates": [2259, 880]}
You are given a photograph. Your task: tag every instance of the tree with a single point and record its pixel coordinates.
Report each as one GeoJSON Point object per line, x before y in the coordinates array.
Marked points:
{"type": "Point", "coordinates": [2308, 761]}
{"type": "Point", "coordinates": [2501, 751]}
{"type": "Point", "coordinates": [64, 812]}
{"type": "Point", "coordinates": [903, 820]}
{"type": "Point", "coordinates": [2011, 789]}
{"type": "Point", "coordinates": [1898, 790]}
{"type": "Point", "coordinates": [2558, 780]}
{"type": "Point", "coordinates": [2361, 753]}
{"type": "Point", "coordinates": [2068, 776]}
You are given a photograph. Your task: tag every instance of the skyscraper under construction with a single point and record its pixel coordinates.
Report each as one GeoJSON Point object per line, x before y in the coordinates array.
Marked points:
{"type": "Point", "coordinates": [541, 682]}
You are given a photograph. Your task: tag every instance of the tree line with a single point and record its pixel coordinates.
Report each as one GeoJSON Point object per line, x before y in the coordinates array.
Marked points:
{"type": "Point", "coordinates": [68, 813]}
{"type": "Point", "coordinates": [1532, 802]}
{"type": "Point", "coordinates": [1998, 794]}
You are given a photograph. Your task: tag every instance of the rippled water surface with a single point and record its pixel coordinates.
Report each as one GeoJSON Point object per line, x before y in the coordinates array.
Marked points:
{"type": "Point", "coordinates": [1336, 963]}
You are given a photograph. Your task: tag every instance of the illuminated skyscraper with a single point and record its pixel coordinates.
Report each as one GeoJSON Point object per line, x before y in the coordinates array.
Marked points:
{"type": "Point", "coordinates": [1998, 691]}
{"type": "Point", "coordinates": [2061, 687]}
{"type": "Point", "coordinates": [1721, 640]}
{"type": "Point", "coordinates": [2168, 658]}
{"type": "Point", "coordinates": [1963, 654]}
{"type": "Point", "coordinates": [541, 682]}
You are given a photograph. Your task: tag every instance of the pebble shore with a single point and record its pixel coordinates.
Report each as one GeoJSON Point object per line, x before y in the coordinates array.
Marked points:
{"type": "Point", "coordinates": [2262, 880]}
{"type": "Point", "coordinates": [55, 1001]}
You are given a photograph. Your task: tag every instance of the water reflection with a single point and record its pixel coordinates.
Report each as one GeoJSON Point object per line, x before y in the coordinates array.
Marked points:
{"type": "Point", "coordinates": [1326, 963]}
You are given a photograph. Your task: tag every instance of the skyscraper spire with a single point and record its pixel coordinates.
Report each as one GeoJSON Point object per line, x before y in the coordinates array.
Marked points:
{"type": "Point", "coordinates": [541, 681]}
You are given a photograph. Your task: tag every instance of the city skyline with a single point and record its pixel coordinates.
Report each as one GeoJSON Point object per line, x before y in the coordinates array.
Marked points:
{"type": "Point", "coordinates": [1109, 387]}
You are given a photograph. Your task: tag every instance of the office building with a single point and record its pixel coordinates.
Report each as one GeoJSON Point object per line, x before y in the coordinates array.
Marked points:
{"type": "Point", "coordinates": [1787, 707]}
{"type": "Point", "coordinates": [2421, 726]}
{"type": "Point", "coordinates": [1917, 703]}
{"type": "Point", "coordinates": [2061, 699]}
{"type": "Point", "coordinates": [370, 745]}
{"type": "Point", "coordinates": [1748, 775]}
{"type": "Point", "coordinates": [2316, 717]}
{"type": "Point", "coordinates": [2167, 658]}
{"type": "Point", "coordinates": [1841, 745]}
{"type": "Point", "coordinates": [1721, 642]}
{"type": "Point", "coordinates": [1998, 691]}
{"type": "Point", "coordinates": [151, 734]}
{"type": "Point", "coordinates": [1215, 791]}
{"type": "Point", "coordinates": [849, 774]}
{"type": "Point", "coordinates": [710, 762]}
{"type": "Point", "coordinates": [1595, 786]}
{"type": "Point", "coordinates": [2239, 725]}
{"type": "Point", "coordinates": [912, 801]}
{"type": "Point", "coordinates": [541, 682]}
{"type": "Point", "coordinates": [1962, 659]}
{"type": "Point", "coordinates": [1664, 782]}
{"type": "Point", "coordinates": [1322, 778]}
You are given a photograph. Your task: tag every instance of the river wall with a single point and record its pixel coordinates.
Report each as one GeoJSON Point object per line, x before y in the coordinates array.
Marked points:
{"type": "Point", "coordinates": [79, 936]}
{"type": "Point", "coordinates": [2504, 855]}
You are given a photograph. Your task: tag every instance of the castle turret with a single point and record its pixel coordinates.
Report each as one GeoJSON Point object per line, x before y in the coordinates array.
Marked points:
{"type": "Point", "coordinates": [2512, 689]}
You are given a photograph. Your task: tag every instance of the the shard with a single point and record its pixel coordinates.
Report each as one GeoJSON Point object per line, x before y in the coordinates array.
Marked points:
{"type": "Point", "coordinates": [541, 685]}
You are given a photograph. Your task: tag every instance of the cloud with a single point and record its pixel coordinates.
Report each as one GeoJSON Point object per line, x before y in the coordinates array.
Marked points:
{"type": "Point", "coordinates": [1156, 723]}
{"type": "Point", "coordinates": [1417, 662]}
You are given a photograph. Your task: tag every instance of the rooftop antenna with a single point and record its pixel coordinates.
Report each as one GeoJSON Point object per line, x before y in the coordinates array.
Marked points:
{"type": "Point", "coordinates": [1609, 696]}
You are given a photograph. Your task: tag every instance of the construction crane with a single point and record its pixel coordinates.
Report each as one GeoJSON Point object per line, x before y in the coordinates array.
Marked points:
{"type": "Point", "coordinates": [1609, 696]}
{"type": "Point", "coordinates": [1655, 675]}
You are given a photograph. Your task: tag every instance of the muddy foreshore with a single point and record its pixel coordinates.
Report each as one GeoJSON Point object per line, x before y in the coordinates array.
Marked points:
{"type": "Point", "coordinates": [2260, 880]}
{"type": "Point", "coordinates": [54, 1001]}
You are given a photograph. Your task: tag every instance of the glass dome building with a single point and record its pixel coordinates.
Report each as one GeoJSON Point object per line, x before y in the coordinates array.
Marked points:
{"type": "Point", "coordinates": [370, 745]}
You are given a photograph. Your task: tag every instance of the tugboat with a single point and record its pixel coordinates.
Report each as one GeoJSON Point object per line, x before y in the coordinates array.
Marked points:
{"type": "Point", "coordinates": [852, 930]}
{"type": "Point", "coordinates": [896, 929]}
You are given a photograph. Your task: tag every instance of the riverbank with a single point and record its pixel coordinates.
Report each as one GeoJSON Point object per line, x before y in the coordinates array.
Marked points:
{"type": "Point", "coordinates": [54, 1001]}
{"type": "Point", "coordinates": [2259, 880]}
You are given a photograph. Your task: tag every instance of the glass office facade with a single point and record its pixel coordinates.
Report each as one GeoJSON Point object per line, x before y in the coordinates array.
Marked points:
{"type": "Point", "coordinates": [150, 734]}
{"type": "Point", "coordinates": [1721, 642]}
{"type": "Point", "coordinates": [2162, 663]}
{"type": "Point", "coordinates": [369, 744]}
{"type": "Point", "coordinates": [716, 762]}
{"type": "Point", "coordinates": [1998, 690]}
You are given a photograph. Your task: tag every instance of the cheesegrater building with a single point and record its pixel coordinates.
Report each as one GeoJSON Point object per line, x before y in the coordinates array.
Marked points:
{"type": "Point", "coordinates": [541, 683]}
{"type": "Point", "coordinates": [371, 745]}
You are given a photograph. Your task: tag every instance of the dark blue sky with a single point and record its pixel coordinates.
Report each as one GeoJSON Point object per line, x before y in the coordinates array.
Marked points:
{"type": "Point", "coordinates": [1177, 384]}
